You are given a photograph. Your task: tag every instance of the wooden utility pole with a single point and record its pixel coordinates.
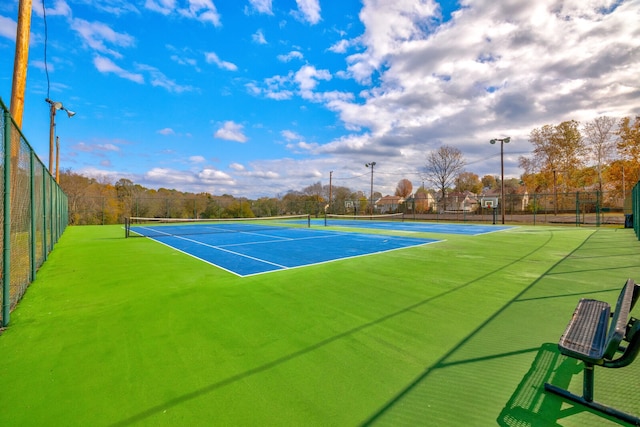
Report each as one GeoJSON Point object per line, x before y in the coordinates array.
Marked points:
{"type": "Point", "coordinates": [20, 61]}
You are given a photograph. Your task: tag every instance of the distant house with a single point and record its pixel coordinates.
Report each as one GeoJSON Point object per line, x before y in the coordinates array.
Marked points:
{"type": "Point", "coordinates": [462, 201]}
{"type": "Point", "coordinates": [421, 202]}
{"type": "Point", "coordinates": [388, 204]}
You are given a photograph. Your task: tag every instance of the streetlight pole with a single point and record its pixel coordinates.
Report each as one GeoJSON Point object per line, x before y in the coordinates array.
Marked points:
{"type": "Point", "coordinates": [502, 141]}
{"type": "Point", "coordinates": [52, 125]}
{"type": "Point", "coordinates": [371, 165]}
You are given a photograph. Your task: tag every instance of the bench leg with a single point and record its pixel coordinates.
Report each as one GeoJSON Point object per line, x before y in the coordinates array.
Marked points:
{"type": "Point", "coordinates": [587, 382]}
{"type": "Point", "coordinates": [631, 419]}
{"type": "Point", "coordinates": [587, 398]}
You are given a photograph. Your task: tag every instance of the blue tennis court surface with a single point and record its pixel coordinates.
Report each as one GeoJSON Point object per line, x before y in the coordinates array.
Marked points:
{"type": "Point", "coordinates": [251, 252]}
{"type": "Point", "coordinates": [417, 227]}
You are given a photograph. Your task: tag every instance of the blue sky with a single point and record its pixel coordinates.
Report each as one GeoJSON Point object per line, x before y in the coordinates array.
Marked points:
{"type": "Point", "coordinates": [257, 97]}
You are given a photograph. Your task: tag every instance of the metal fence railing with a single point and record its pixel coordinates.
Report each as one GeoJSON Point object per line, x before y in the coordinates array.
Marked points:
{"type": "Point", "coordinates": [33, 214]}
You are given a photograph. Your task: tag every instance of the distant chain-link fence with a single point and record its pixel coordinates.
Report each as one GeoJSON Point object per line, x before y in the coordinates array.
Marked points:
{"type": "Point", "coordinates": [33, 214]}
{"type": "Point", "coordinates": [579, 208]}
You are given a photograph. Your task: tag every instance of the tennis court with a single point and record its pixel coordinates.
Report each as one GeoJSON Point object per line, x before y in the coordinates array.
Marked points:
{"type": "Point", "coordinates": [130, 332]}
{"type": "Point", "coordinates": [253, 247]}
{"type": "Point", "coordinates": [399, 224]}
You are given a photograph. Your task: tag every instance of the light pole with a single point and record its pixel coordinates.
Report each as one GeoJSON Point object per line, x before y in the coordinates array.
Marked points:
{"type": "Point", "coordinates": [371, 165]}
{"type": "Point", "coordinates": [52, 125]}
{"type": "Point", "coordinates": [502, 141]}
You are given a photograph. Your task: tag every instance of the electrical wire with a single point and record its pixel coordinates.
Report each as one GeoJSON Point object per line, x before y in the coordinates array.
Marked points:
{"type": "Point", "coordinates": [46, 67]}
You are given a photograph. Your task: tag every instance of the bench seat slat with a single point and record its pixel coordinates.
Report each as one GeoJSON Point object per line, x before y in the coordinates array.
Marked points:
{"type": "Point", "coordinates": [586, 334]}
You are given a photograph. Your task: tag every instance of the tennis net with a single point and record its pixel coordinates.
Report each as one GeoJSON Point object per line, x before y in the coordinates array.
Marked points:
{"type": "Point", "coordinates": [155, 227]}
{"type": "Point", "coordinates": [334, 219]}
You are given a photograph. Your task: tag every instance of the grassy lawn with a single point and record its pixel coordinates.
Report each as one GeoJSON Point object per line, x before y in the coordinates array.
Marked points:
{"type": "Point", "coordinates": [121, 332]}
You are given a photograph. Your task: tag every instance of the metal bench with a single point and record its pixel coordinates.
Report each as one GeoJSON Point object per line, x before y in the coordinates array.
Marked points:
{"type": "Point", "coordinates": [595, 336]}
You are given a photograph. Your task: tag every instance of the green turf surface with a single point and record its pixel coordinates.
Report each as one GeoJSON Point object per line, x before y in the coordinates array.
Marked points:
{"type": "Point", "coordinates": [121, 331]}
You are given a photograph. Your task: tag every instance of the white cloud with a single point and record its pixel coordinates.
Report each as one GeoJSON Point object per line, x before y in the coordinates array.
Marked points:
{"type": "Point", "coordinates": [258, 37]}
{"type": "Point", "coordinates": [158, 79]}
{"type": "Point", "coordinates": [231, 131]}
{"type": "Point", "coordinates": [60, 8]}
{"type": "Point", "coordinates": [214, 176]}
{"type": "Point", "coordinates": [308, 10]}
{"type": "Point", "coordinates": [340, 46]}
{"type": "Point", "coordinates": [97, 34]}
{"type": "Point", "coordinates": [307, 78]}
{"type": "Point", "coordinates": [99, 152]}
{"type": "Point", "coordinates": [166, 131]}
{"type": "Point", "coordinates": [164, 7]}
{"type": "Point", "coordinates": [262, 6]}
{"type": "Point", "coordinates": [105, 65]}
{"type": "Point", "coordinates": [199, 10]}
{"type": "Point", "coordinates": [197, 159]}
{"type": "Point", "coordinates": [212, 58]}
{"type": "Point", "coordinates": [290, 135]}
{"type": "Point", "coordinates": [203, 11]}
{"type": "Point", "coordinates": [294, 54]}
{"type": "Point", "coordinates": [183, 60]}
{"type": "Point", "coordinates": [237, 167]}
{"type": "Point", "coordinates": [8, 28]}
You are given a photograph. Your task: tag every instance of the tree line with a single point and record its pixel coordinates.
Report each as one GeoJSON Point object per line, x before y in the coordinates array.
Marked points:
{"type": "Point", "coordinates": [600, 155]}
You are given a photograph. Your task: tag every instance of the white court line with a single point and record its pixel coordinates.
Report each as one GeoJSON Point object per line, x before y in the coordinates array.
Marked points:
{"type": "Point", "coordinates": [279, 266]}
{"type": "Point", "coordinates": [221, 249]}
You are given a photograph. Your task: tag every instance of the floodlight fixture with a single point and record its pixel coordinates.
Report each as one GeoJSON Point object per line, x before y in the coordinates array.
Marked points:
{"type": "Point", "coordinates": [371, 165]}
{"type": "Point", "coordinates": [55, 105]}
{"type": "Point", "coordinates": [502, 141]}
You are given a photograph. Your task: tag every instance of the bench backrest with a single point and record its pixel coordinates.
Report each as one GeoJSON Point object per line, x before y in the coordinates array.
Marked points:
{"type": "Point", "coordinates": [620, 319]}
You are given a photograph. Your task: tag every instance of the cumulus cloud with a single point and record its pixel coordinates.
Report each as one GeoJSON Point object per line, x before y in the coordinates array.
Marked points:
{"type": "Point", "coordinates": [479, 75]}
{"type": "Point", "coordinates": [307, 78]}
{"type": "Point", "coordinates": [231, 131]}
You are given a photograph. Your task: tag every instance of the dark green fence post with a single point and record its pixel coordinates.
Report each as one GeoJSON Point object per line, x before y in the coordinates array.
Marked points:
{"type": "Point", "coordinates": [45, 235]}
{"type": "Point", "coordinates": [577, 208]}
{"type": "Point", "coordinates": [32, 196]}
{"type": "Point", "coordinates": [6, 260]}
{"type": "Point", "coordinates": [598, 212]}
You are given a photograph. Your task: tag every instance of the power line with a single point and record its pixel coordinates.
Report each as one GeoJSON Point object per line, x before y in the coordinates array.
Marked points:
{"type": "Point", "coordinates": [46, 68]}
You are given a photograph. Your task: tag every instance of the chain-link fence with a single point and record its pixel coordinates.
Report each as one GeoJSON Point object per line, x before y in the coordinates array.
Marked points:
{"type": "Point", "coordinates": [576, 207]}
{"type": "Point", "coordinates": [579, 208]}
{"type": "Point", "coordinates": [33, 214]}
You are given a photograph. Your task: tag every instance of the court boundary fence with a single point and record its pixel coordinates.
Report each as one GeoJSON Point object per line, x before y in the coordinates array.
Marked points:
{"type": "Point", "coordinates": [33, 214]}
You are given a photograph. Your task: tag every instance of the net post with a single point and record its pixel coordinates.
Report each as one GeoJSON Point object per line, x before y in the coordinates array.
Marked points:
{"type": "Point", "coordinates": [308, 220]}
{"type": "Point", "coordinates": [127, 226]}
